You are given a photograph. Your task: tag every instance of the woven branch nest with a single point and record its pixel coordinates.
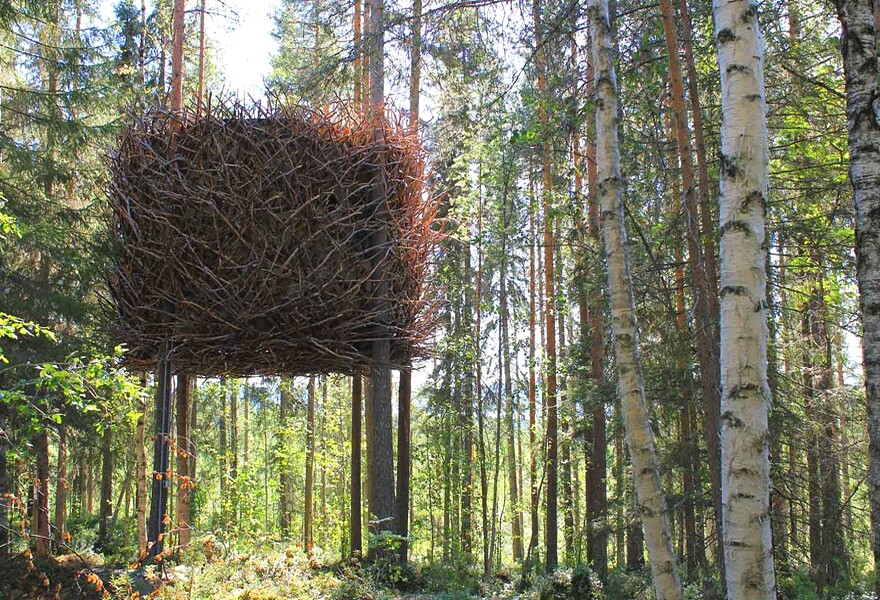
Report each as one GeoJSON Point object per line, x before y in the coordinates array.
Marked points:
{"type": "Point", "coordinates": [247, 241]}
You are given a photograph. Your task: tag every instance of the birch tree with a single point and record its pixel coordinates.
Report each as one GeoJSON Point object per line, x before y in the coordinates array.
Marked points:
{"type": "Point", "coordinates": [745, 393]}
{"type": "Point", "coordinates": [859, 19]}
{"type": "Point", "coordinates": [639, 438]}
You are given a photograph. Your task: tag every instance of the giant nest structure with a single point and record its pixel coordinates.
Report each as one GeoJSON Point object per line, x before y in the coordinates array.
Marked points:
{"type": "Point", "coordinates": [248, 240]}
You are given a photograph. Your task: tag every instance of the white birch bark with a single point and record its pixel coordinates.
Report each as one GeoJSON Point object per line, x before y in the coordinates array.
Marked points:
{"type": "Point", "coordinates": [860, 63]}
{"type": "Point", "coordinates": [745, 394]}
{"type": "Point", "coordinates": [650, 499]}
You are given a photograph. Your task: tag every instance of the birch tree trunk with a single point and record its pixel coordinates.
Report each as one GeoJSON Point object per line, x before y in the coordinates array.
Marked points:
{"type": "Point", "coordinates": [859, 19]}
{"type": "Point", "coordinates": [648, 491]}
{"type": "Point", "coordinates": [745, 393]}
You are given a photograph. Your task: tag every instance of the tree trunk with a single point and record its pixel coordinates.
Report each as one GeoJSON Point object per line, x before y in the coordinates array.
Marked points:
{"type": "Point", "coordinates": [745, 396]}
{"type": "Point", "coordinates": [246, 447]}
{"type": "Point", "coordinates": [551, 532]}
{"type": "Point", "coordinates": [224, 450]}
{"type": "Point", "coordinates": [356, 453]}
{"type": "Point", "coordinates": [309, 511]}
{"type": "Point", "coordinates": [597, 495]}
{"type": "Point", "coordinates": [141, 470]}
{"type": "Point", "coordinates": [379, 427]}
{"type": "Point", "coordinates": [705, 328]}
{"type": "Point", "coordinates": [42, 533]}
{"type": "Point", "coordinates": [185, 483]}
{"type": "Point", "coordinates": [161, 451]}
{"type": "Point", "coordinates": [105, 510]}
{"type": "Point", "coordinates": [61, 489]}
{"type": "Point", "coordinates": [178, 38]}
{"type": "Point", "coordinates": [510, 417]}
{"type": "Point", "coordinates": [859, 19]}
{"type": "Point", "coordinates": [569, 531]}
{"type": "Point", "coordinates": [640, 440]}
{"type": "Point", "coordinates": [478, 368]}
{"type": "Point", "coordinates": [401, 519]}
{"type": "Point", "coordinates": [466, 416]}
{"type": "Point", "coordinates": [533, 444]}
{"type": "Point", "coordinates": [358, 63]}
{"type": "Point", "coordinates": [5, 488]}
{"type": "Point", "coordinates": [285, 483]}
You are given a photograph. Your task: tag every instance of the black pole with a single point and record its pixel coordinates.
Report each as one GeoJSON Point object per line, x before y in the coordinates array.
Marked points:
{"type": "Point", "coordinates": [161, 452]}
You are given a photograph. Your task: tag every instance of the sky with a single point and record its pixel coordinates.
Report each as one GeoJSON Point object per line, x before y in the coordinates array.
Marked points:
{"type": "Point", "coordinates": [240, 32]}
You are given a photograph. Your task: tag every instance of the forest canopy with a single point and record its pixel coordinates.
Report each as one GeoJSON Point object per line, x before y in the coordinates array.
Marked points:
{"type": "Point", "coordinates": [607, 327]}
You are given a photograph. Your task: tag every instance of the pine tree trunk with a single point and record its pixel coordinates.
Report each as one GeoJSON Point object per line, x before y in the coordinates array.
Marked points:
{"type": "Point", "coordinates": [509, 416]}
{"type": "Point", "coordinates": [141, 470]}
{"type": "Point", "coordinates": [358, 63]}
{"type": "Point", "coordinates": [466, 417]}
{"type": "Point", "coordinates": [401, 519]}
{"type": "Point", "coordinates": [551, 530]}
{"type": "Point", "coordinates": [184, 480]}
{"type": "Point", "coordinates": [161, 449]}
{"type": "Point", "coordinates": [5, 487]}
{"type": "Point", "coordinates": [285, 483]}
{"type": "Point", "coordinates": [648, 491]}
{"type": "Point", "coordinates": [178, 40]}
{"type": "Point", "coordinates": [860, 20]}
{"type": "Point", "coordinates": [745, 396]}
{"type": "Point", "coordinates": [533, 444]}
{"type": "Point", "coordinates": [379, 427]}
{"type": "Point", "coordinates": [705, 328]}
{"type": "Point", "coordinates": [569, 525]}
{"type": "Point", "coordinates": [224, 449]}
{"type": "Point", "coordinates": [105, 509]}
{"type": "Point", "coordinates": [309, 510]}
{"type": "Point", "coordinates": [356, 453]}
{"type": "Point", "coordinates": [478, 359]}
{"type": "Point", "coordinates": [61, 489]}
{"type": "Point", "coordinates": [246, 399]}
{"type": "Point", "coordinates": [42, 533]}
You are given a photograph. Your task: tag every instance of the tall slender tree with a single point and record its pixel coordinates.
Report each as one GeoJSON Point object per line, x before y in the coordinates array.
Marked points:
{"type": "Point", "coordinates": [745, 396]}
{"type": "Point", "coordinates": [649, 494]}
{"type": "Point", "coordinates": [860, 20]}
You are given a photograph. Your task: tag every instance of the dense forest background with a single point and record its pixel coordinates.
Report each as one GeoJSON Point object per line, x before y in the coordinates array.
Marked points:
{"type": "Point", "coordinates": [501, 95]}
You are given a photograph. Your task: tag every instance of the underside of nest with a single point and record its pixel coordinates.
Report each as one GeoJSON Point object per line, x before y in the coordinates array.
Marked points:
{"type": "Point", "coordinates": [247, 241]}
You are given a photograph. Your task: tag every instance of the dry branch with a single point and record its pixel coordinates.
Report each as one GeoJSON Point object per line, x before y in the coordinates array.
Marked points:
{"type": "Point", "coordinates": [244, 240]}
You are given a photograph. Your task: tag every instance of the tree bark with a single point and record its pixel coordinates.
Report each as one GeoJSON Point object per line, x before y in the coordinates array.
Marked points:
{"type": "Point", "coordinates": [4, 482]}
{"type": "Point", "coordinates": [178, 38]}
{"type": "Point", "coordinates": [105, 509]}
{"type": "Point", "coordinates": [185, 483]}
{"type": "Point", "coordinates": [285, 483]}
{"type": "Point", "coordinates": [648, 491]}
{"type": "Point", "coordinates": [745, 393]}
{"type": "Point", "coordinates": [597, 495]}
{"type": "Point", "coordinates": [141, 470]}
{"type": "Point", "coordinates": [309, 510]}
{"type": "Point", "coordinates": [533, 444]}
{"type": "Point", "coordinates": [510, 418]}
{"type": "Point", "coordinates": [860, 19]}
{"type": "Point", "coordinates": [356, 453]}
{"type": "Point", "coordinates": [161, 451]}
{"type": "Point", "coordinates": [61, 489]}
{"type": "Point", "coordinates": [224, 450]}
{"type": "Point", "coordinates": [401, 519]}
{"type": "Point", "coordinates": [42, 533]}
{"type": "Point", "coordinates": [552, 527]}
{"type": "Point", "coordinates": [379, 427]}
{"type": "Point", "coordinates": [705, 328]}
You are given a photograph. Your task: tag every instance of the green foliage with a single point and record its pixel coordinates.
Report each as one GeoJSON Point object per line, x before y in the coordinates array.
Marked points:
{"type": "Point", "coordinates": [579, 583]}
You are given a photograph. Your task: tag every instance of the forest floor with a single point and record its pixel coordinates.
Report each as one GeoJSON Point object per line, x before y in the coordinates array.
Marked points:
{"type": "Point", "coordinates": [254, 576]}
